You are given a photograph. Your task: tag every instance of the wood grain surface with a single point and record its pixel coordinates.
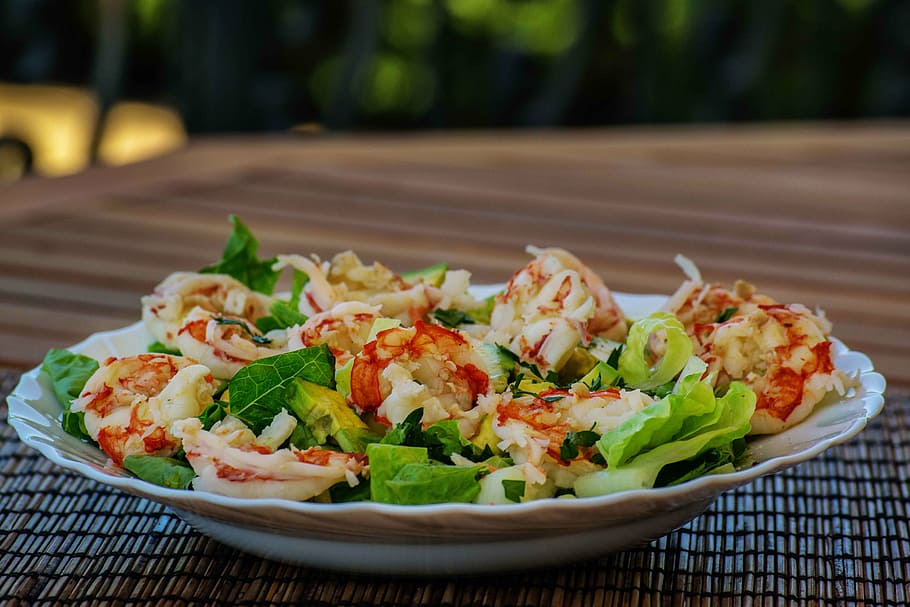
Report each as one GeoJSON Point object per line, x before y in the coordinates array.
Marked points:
{"type": "Point", "coordinates": [817, 214]}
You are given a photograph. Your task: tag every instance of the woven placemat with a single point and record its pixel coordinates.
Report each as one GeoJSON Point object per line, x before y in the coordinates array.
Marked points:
{"type": "Point", "coordinates": [834, 530]}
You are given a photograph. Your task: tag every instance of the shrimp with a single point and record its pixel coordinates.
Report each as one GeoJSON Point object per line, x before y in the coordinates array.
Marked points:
{"type": "Point", "coordinates": [225, 343]}
{"type": "Point", "coordinates": [782, 353]}
{"type": "Point", "coordinates": [346, 278]}
{"type": "Point", "coordinates": [696, 303]}
{"type": "Point", "coordinates": [229, 460]}
{"type": "Point", "coordinates": [533, 427]}
{"type": "Point", "coordinates": [131, 403]}
{"type": "Point", "coordinates": [550, 306]}
{"type": "Point", "coordinates": [345, 329]}
{"type": "Point", "coordinates": [164, 310]}
{"type": "Point", "coordinates": [426, 366]}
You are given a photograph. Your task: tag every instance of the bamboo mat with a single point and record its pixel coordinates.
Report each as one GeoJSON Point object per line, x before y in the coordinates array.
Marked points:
{"type": "Point", "coordinates": [833, 530]}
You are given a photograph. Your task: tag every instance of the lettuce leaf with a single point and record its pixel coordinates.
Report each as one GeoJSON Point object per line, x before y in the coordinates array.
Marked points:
{"type": "Point", "coordinates": [385, 462]}
{"type": "Point", "coordinates": [285, 314]}
{"type": "Point", "coordinates": [432, 483]}
{"type": "Point", "coordinates": [239, 260]}
{"type": "Point", "coordinates": [68, 373]}
{"type": "Point", "coordinates": [634, 362]}
{"type": "Point", "coordinates": [164, 471]}
{"type": "Point", "coordinates": [441, 439]}
{"type": "Point", "coordinates": [260, 389]}
{"type": "Point", "coordinates": [636, 462]}
{"type": "Point", "coordinates": [656, 424]}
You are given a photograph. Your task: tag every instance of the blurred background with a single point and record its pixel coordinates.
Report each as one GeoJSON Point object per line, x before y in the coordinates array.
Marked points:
{"type": "Point", "coordinates": [117, 81]}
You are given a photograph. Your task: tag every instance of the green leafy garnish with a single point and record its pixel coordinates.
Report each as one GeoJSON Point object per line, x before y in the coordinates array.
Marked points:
{"type": "Point", "coordinates": [569, 448]}
{"type": "Point", "coordinates": [68, 373]}
{"type": "Point", "coordinates": [343, 492]}
{"type": "Point", "coordinates": [452, 318]}
{"type": "Point", "coordinates": [157, 347]}
{"type": "Point", "coordinates": [285, 314]}
{"type": "Point", "coordinates": [726, 315]}
{"type": "Point", "coordinates": [212, 414]}
{"type": "Point", "coordinates": [259, 339]}
{"type": "Point", "coordinates": [163, 471]}
{"type": "Point", "coordinates": [681, 429]}
{"type": "Point", "coordinates": [514, 490]}
{"type": "Point", "coordinates": [635, 363]}
{"type": "Point", "coordinates": [259, 390]}
{"type": "Point", "coordinates": [441, 440]}
{"type": "Point", "coordinates": [239, 260]}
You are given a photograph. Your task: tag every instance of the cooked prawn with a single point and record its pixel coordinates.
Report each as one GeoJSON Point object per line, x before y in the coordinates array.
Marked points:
{"type": "Point", "coordinates": [346, 278]}
{"type": "Point", "coordinates": [532, 428]}
{"type": "Point", "coordinates": [165, 309]}
{"type": "Point", "coordinates": [229, 460]}
{"type": "Point", "coordinates": [782, 353]}
{"type": "Point", "coordinates": [425, 366]}
{"type": "Point", "coordinates": [130, 403]}
{"type": "Point", "coordinates": [550, 306]}
{"type": "Point", "coordinates": [345, 329]}
{"type": "Point", "coordinates": [225, 343]}
{"type": "Point", "coordinates": [695, 302]}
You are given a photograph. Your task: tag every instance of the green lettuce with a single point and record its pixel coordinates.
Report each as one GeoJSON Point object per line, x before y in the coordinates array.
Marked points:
{"type": "Point", "coordinates": [285, 314]}
{"type": "Point", "coordinates": [240, 261]}
{"type": "Point", "coordinates": [634, 362]}
{"type": "Point", "coordinates": [405, 475]}
{"type": "Point", "coordinates": [164, 471]}
{"type": "Point", "coordinates": [68, 373]}
{"type": "Point", "coordinates": [690, 430]}
{"type": "Point", "coordinates": [259, 391]}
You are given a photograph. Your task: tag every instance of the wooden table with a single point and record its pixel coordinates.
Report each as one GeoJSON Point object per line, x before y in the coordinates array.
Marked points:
{"type": "Point", "coordinates": [814, 214]}
{"type": "Point", "coordinates": [818, 214]}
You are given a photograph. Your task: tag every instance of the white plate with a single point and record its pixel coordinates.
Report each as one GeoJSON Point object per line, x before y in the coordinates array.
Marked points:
{"type": "Point", "coordinates": [445, 538]}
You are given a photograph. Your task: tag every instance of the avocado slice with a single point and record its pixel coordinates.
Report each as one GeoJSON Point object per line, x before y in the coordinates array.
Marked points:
{"type": "Point", "coordinates": [432, 275]}
{"type": "Point", "coordinates": [325, 414]}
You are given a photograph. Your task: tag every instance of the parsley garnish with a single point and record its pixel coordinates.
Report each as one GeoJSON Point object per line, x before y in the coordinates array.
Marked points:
{"type": "Point", "coordinates": [569, 448]}
{"type": "Point", "coordinates": [259, 339]}
{"type": "Point", "coordinates": [452, 318]}
{"type": "Point", "coordinates": [514, 490]}
{"type": "Point", "coordinates": [726, 315]}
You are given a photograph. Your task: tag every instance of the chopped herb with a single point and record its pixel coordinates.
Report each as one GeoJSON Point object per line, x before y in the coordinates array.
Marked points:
{"type": "Point", "coordinates": [596, 383]}
{"type": "Point", "coordinates": [452, 318]}
{"type": "Point", "coordinates": [240, 261]}
{"type": "Point", "coordinates": [613, 359]}
{"type": "Point", "coordinates": [515, 387]}
{"type": "Point", "coordinates": [514, 490]}
{"type": "Point", "coordinates": [569, 448]}
{"type": "Point", "coordinates": [726, 315]}
{"type": "Point", "coordinates": [551, 399]}
{"type": "Point", "coordinates": [259, 339]}
{"type": "Point", "coordinates": [159, 348]}
{"type": "Point", "coordinates": [215, 412]}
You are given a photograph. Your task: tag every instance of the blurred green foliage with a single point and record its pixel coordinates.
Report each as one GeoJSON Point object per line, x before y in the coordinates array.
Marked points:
{"type": "Point", "coordinates": [236, 65]}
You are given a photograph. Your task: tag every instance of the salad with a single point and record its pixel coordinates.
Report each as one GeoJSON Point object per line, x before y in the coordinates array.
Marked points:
{"type": "Point", "coordinates": [364, 384]}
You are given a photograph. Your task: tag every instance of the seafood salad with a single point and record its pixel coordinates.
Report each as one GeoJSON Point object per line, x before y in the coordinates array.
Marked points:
{"type": "Point", "coordinates": [364, 384]}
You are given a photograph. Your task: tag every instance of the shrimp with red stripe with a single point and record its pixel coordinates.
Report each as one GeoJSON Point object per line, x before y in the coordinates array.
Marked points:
{"type": "Point", "coordinates": [130, 403]}
{"type": "Point", "coordinates": [782, 353]}
{"type": "Point", "coordinates": [225, 343]}
{"type": "Point", "coordinates": [344, 329]}
{"type": "Point", "coordinates": [164, 311]}
{"type": "Point", "coordinates": [551, 306]}
{"type": "Point", "coordinates": [229, 459]}
{"type": "Point", "coordinates": [426, 366]}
